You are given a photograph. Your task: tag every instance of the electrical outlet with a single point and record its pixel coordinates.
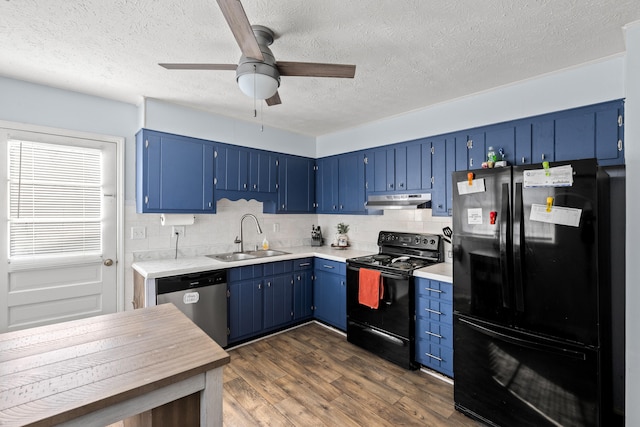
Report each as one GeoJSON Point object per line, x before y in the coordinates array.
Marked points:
{"type": "Point", "coordinates": [276, 227]}
{"type": "Point", "coordinates": [177, 229]}
{"type": "Point", "coordinates": [138, 233]}
{"type": "Point", "coordinates": [449, 254]}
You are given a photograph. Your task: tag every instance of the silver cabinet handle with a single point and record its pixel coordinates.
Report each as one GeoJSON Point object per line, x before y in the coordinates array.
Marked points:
{"type": "Point", "coordinates": [439, 313]}
{"type": "Point", "coordinates": [432, 334]}
{"type": "Point", "coordinates": [304, 264]}
{"type": "Point", "coordinates": [434, 357]}
{"type": "Point", "coordinates": [433, 290]}
{"type": "Point", "coordinates": [328, 266]}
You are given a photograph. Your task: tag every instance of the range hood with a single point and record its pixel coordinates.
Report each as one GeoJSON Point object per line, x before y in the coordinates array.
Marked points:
{"type": "Point", "coordinates": [399, 201]}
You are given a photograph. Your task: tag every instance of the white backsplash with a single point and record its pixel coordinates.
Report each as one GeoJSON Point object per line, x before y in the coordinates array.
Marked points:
{"type": "Point", "coordinates": [215, 233]}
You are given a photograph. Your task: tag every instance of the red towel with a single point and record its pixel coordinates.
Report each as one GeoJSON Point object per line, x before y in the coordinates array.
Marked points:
{"type": "Point", "coordinates": [370, 288]}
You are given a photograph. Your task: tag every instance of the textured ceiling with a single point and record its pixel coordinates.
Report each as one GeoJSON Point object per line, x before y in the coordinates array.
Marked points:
{"type": "Point", "coordinates": [409, 54]}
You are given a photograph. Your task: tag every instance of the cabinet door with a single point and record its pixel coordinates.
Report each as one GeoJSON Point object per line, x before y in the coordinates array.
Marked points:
{"type": "Point", "coordinates": [325, 308]}
{"type": "Point", "coordinates": [450, 167]}
{"type": "Point", "coordinates": [609, 133]}
{"type": "Point", "coordinates": [175, 173]}
{"type": "Point", "coordinates": [327, 185]}
{"type": "Point", "coordinates": [302, 295]}
{"type": "Point", "coordinates": [414, 166]}
{"type": "Point", "coordinates": [426, 166]}
{"type": "Point", "coordinates": [262, 171]}
{"type": "Point", "coordinates": [245, 308]}
{"type": "Point", "coordinates": [502, 138]}
{"type": "Point", "coordinates": [523, 144]}
{"type": "Point", "coordinates": [438, 161]}
{"type": "Point", "coordinates": [277, 300]}
{"type": "Point", "coordinates": [378, 181]}
{"type": "Point", "coordinates": [477, 151]}
{"type": "Point", "coordinates": [390, 170]}
{"type": "Point", "coordinates": [542, 139]}
{"type": "Point", "coordinates": [297, 185]}
{"type": "Point", "coordinates": [400, 168]}
{"type": "Point", "coordinates": [351, 186]}
{"type": "Point", "coordinates": [575, 137]}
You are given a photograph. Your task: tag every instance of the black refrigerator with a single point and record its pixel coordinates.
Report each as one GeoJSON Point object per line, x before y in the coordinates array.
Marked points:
{"type": "Point", "coordinates": [531, 295]}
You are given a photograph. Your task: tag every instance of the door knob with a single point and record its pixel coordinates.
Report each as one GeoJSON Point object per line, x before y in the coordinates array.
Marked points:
{"type": "Point", "coordinates": [108, 262]}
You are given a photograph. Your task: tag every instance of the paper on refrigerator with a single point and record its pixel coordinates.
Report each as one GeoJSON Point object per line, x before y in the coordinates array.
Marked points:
{"type": "Point", "coordinates": [559, 176]}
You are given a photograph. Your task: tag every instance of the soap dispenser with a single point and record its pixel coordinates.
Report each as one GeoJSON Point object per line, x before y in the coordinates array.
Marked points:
{"type": "Point", "coordinates": [265, 244]}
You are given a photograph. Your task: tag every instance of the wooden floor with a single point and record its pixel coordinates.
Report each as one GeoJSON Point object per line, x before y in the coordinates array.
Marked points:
{"type": "Point", "coordinates": [311, 376]}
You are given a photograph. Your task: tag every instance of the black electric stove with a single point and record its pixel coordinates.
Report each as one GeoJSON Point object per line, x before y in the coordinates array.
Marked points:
{"type": "Point", "coordinates": [403, 252]}
{"type": "Point", "coordinates": [388, 330]}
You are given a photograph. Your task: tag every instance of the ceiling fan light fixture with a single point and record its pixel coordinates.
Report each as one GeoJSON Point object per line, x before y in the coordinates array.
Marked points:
{"type": "Point", "coordinates": [258, 86]}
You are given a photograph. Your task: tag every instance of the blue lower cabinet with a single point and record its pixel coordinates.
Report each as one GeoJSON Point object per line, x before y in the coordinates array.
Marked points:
{"type": "Point", "coordinates": [330, 293]}
{"type": "Point", "coordinates": [245, 309]}
{"type": "Point", "coordinates": [266, 297]}
{"type": "Point", "coordinates": [434, 325]}
{"type": "Point", "coordinates": [277, 301]}
{"type": "Point", "coordinates": [434, 356]}
{"type": "Point", "coordinates": [302, 289]}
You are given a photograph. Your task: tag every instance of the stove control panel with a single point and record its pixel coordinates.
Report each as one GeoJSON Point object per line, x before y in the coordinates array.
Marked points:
{"type": "Point", "coordinates": [429, 242]}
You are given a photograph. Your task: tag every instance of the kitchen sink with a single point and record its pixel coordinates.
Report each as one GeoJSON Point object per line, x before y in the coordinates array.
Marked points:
{"type": "Point", "coordinates": [241, 256]}
{"type": "Point", "coordinates": [232, 256]}
{"type": "Point", "coordinates": [265, 253]}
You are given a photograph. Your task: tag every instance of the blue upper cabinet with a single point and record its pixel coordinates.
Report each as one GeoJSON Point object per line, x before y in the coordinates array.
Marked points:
{"type": "Point", "coordinates": [263, 171]}
{"type": "Point", "coordinates": [351, 183]}
{"type": "Point", "coordinates": [296, 185]}
{"type": "Point", "coordinates": [175, 174]}
{"type": "Point", "coordinates": [340, 184]}
{"type": "Point", "coordinates": [240, 169]}
{"type": "Point", "coordinates": [588, 132]}
{"type": "Point", "coordinates": [327, 185]}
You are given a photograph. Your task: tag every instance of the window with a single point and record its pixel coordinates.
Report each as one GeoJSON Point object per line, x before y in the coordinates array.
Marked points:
{"type": "Point", "coordinates": [55, 200]}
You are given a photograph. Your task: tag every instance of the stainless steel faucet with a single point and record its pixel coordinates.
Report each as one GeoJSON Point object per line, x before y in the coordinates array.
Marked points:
{"type": "Point", "coordinates": [240, 240]}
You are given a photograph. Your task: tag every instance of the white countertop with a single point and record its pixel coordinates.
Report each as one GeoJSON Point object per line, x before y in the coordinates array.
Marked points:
{"type": "Point", "coordinates": [172, 267]}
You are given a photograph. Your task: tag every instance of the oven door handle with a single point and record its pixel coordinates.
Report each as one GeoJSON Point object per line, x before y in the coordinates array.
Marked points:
{"type": "Point", "coordinates": [383, 274]}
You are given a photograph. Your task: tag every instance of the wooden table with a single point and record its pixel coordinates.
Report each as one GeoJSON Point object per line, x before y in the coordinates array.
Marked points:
{"type": "Point", "coordinates": [103, 369]}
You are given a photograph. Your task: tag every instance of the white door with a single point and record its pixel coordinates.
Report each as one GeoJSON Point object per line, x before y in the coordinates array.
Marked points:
{"type": "Point", "coordinates": [59, 231]}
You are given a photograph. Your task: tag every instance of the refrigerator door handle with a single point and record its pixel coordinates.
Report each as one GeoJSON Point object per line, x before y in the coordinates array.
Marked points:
{"type": "Point", "coordinates": [504, 244]}
{"type": "Point", "coordinates": [518, 234]}
{"type": "Point", "coordinates": [565, 352]}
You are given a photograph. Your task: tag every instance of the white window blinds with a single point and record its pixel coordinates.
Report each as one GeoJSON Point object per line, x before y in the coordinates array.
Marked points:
{"type": "Point", "coordinates": [55, 200]}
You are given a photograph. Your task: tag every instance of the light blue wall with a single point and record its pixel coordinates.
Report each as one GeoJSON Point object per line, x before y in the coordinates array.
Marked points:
{"type": "Point", "coordinates": [180, 120]}
{"type": "Point", "coordinates": [588, 84]}
{"type": "Point", "coordinates": [29, 103]}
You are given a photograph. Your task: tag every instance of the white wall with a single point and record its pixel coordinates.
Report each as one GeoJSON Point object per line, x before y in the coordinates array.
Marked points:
{"type": "Point", "coordinates": [632, 160]}
{"type": "Point", "coordinates": [575, 87]}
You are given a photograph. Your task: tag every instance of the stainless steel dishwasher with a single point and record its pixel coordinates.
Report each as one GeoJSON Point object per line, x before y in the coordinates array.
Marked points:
{"type": "Point", "coordinates": [202, 297]}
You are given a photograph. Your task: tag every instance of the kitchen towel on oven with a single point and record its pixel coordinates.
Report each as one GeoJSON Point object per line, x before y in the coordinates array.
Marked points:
{"type": "Point", "coordinates": [370, 288]}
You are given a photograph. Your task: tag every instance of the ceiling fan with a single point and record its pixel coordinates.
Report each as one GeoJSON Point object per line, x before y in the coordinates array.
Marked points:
{"type": "Point", "coordinates": [258, 73]}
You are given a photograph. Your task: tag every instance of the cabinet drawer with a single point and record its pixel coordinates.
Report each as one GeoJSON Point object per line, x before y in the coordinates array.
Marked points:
{"type": "Point", "coordinates": [435, 357]}
{"type": "Point", "coordinates": [279, 267]}
{"type": "Point", "coordinates": [435, 332]}
{"type": "Point", "coordinates": [434, 309]}
{"type": "Point", "coordinates": [434, 289]}
{"type": "Point", "coordinates": [247, 272]}
{"type": "Point", "coordinates": [335, 267]}
{"type": "Point", "coordinates": [303, 264]}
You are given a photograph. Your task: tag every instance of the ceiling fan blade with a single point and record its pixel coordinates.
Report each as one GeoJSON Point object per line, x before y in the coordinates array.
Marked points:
{"type": "Point", "coordinates": [231, 67]}
{"type": "Point", "coordinates": [241, 28]}
{"type": "Point", "coordinates": [274, 100]}
{"type": "Point", "coordinates": [313, 69]}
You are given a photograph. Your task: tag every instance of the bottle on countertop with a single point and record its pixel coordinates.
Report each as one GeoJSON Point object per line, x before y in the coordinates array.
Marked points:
{"type": "Point", "coordinates": [265, 244]}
